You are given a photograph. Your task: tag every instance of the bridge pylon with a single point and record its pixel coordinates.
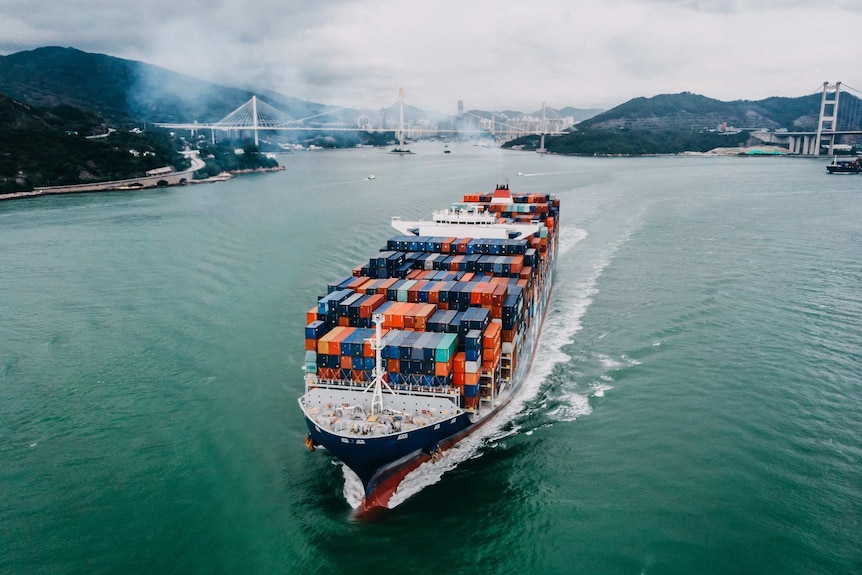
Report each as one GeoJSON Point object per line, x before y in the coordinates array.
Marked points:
{"type": "Point", "coordinates": [828, 120]}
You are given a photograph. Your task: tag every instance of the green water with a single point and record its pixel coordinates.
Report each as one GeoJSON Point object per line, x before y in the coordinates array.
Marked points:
{"type": "Point", "coordinates": [696, 406]}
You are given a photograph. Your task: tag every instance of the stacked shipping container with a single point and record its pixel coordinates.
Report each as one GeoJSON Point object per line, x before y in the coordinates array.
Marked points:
{"type": "Point", "coordinates": [453, 309]}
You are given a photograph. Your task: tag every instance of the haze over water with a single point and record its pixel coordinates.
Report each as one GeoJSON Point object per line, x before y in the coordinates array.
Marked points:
{"type": "Point", "coordinates": [696, 406]}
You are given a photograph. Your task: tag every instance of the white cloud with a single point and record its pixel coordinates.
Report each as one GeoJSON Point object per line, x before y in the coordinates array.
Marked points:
{"type": "Point", "coordinates": [491, 54]}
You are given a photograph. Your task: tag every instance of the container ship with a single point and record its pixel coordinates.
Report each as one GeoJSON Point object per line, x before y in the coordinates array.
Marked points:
{"type": "Point", "coordinates": [431, 338]}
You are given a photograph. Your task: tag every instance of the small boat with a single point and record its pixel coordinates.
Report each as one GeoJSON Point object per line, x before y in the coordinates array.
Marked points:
{"type": "Point", "coordinates": [520, 173]}
{"type": "Point", "coordinates": [845, 166]}
{"type": "Point", "coordinates": [371, 177]}
{"type": "Point", "coordinates": [446, 149]}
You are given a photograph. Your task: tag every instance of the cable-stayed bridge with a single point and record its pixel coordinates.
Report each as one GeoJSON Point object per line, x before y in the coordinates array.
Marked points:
{"type": "Point", "coordinates": [256, 116]}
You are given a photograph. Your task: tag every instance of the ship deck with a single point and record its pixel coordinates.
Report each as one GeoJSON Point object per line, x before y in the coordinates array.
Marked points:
{"type": "Point", "coordinates": [347, 412]}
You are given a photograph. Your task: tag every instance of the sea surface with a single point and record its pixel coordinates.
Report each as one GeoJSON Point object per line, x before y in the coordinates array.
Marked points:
{"type": "Point", "coordinates": [696, 405]}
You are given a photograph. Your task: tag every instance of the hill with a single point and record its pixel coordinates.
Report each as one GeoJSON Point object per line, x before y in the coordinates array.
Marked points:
{"type": "Point", "coordinates": [674, 123]}
{"type": "Point", "coordinates": [42, 147]}
{"type": "Point", "coordinates": [687, 111]}
{"type": "Point", "coordinates": [125, 91]}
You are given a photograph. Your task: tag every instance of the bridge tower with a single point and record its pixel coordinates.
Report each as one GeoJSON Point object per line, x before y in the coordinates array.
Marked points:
{"type": "Point", "coordinates": [254, 119]}
{"type": "Point", "coordinates": [828, 121]}
{"type": "Point", "coordinates": [542, 149]}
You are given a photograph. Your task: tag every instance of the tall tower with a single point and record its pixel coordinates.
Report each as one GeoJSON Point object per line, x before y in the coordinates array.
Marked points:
{"type": "Point", "coordinates": [542, 149]}
{"type": "Point", "coordinates": [828, 116]}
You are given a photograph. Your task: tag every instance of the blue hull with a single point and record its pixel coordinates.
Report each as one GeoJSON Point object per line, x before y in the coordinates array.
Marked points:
{"type": "Point", "coordinates": [368, 455]}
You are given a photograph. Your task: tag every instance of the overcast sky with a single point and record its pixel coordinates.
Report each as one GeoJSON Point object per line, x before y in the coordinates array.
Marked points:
{"type": "Point", "coordinates": [493, 54]}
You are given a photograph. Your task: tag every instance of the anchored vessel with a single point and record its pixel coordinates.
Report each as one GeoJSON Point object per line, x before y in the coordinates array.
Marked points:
{"type": "Point", "coordinates": [431, 338]}
{"type": "Point", "coordinates": [845, 166]}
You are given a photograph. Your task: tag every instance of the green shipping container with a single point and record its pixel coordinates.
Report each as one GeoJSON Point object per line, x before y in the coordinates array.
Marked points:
{"type": "Point", "coordinates": [446, 348]}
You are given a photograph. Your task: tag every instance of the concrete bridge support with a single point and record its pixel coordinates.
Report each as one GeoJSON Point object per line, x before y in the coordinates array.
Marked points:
{"type": "Point", "coordinates": [828, 116]}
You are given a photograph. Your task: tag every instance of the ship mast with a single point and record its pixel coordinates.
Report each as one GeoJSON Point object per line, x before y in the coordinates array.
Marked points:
{"type": "Point", "coordinates": [377, 373]}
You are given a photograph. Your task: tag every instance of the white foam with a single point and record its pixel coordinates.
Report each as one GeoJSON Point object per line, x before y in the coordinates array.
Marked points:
{"type": "Point", "coordinates": [353, 490]}
{"type": "Point", "coordinates": [599, 389]}
{"type": "Point", "coordinates": [569, 238]}
{"type": "Point", "coordinates": [573, 406]}
{"type": "Point", "coordinates": [608, 362]}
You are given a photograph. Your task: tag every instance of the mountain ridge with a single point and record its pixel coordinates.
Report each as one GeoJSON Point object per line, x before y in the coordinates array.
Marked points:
{"type": "Point", "coordinates": [129, 91]}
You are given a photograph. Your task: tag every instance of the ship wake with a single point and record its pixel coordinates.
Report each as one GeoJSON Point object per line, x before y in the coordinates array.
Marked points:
{"type": "Point", "coordinates": [561, 323]}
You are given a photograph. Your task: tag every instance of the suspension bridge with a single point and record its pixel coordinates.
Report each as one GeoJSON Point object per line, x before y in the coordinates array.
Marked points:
{"type": "Point", "coordinates": [837, 118]}
{"type": "Point", "coordinates": [257, 115]}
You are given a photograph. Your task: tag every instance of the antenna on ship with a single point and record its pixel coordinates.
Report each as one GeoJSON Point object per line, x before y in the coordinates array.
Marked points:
{"type": "Point", "coordinates": [377, 373]}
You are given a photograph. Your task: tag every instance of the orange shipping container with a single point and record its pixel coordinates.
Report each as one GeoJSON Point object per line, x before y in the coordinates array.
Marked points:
{"type": "Point", "coordinates": [460, 362]}
{"type": "Point", "coordinates": [323, 342]}
{"type": "Point", "coordinates": [311, 315]}
{"type": "Point", "coordinates": [386, 284]}
{"type": "Point", "coordinates": [434, 293]}
{"type": "Point", "coordinates": [366, 308]}
{"type": "Point", "coordinates": [335, 342]}
{"type": "Point", "coordinates": [492, 336]}
{"type": "Point", "coordinates": [490, 366]}
{"type": "Point", "coordinates": [310, 345]}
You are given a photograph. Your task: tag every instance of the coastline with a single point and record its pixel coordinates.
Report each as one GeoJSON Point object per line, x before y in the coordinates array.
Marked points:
{"type": "Point", "coordinates": [135, 184]}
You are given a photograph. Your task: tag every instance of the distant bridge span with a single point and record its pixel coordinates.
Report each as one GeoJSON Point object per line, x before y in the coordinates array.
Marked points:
{"type": "Point", "coordinates": [812, 143]}
{"type": "Point", "coordinates": [256, 115]}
